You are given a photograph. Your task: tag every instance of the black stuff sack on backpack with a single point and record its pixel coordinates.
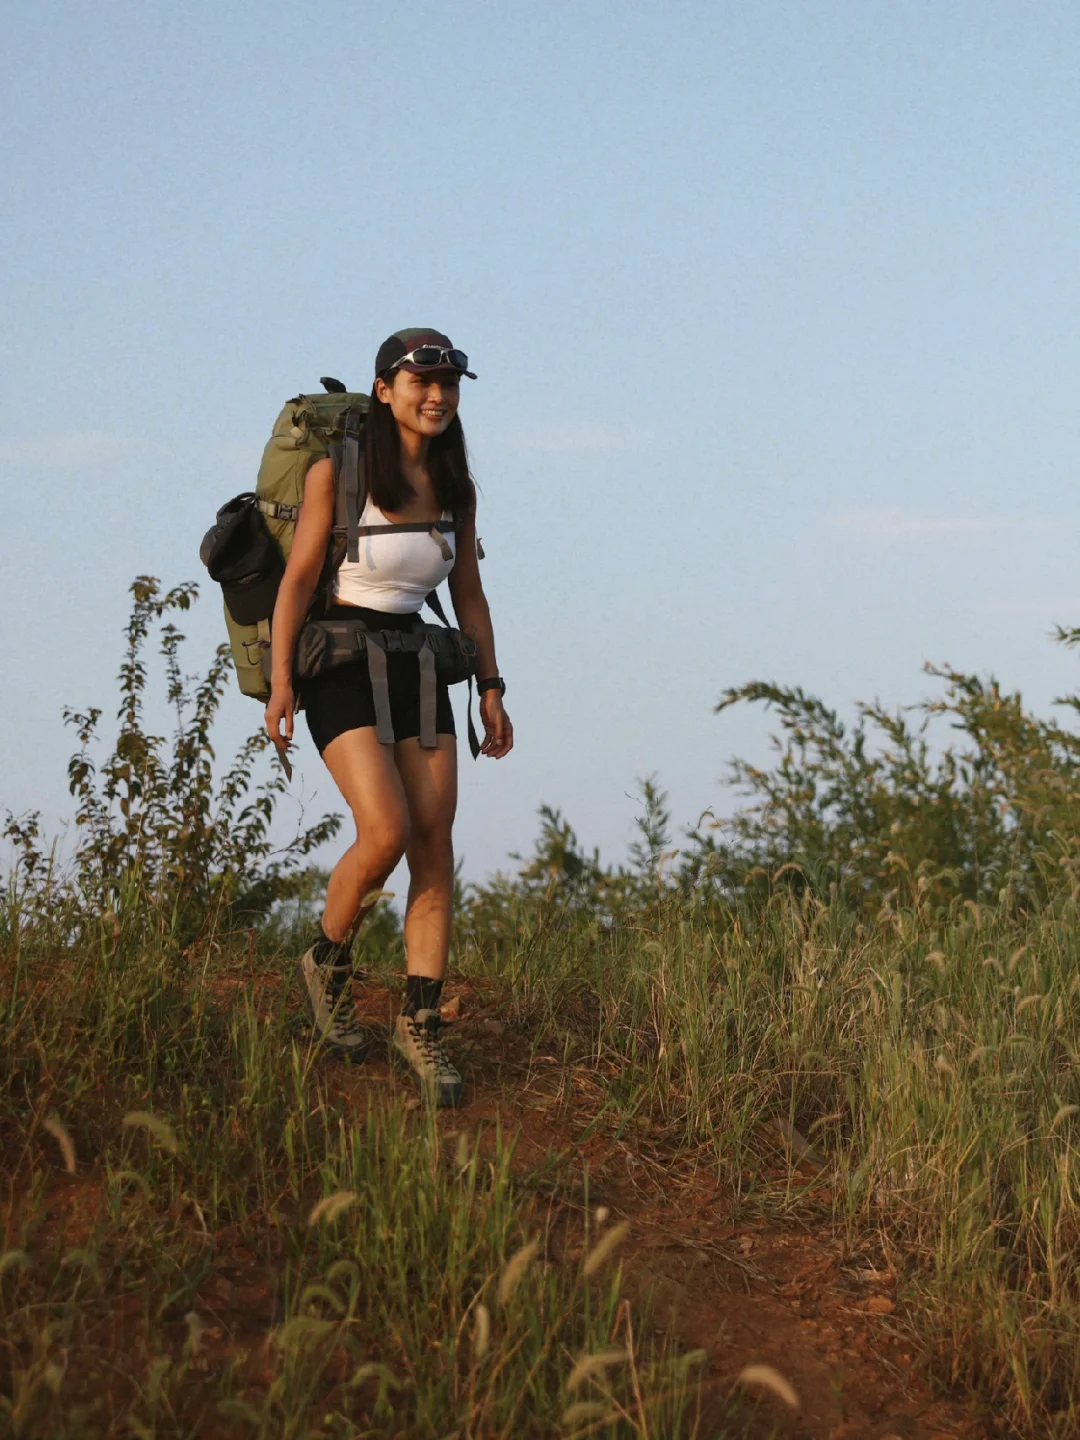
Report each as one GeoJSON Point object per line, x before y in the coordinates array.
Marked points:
{"type": "Point", "coordinates": [244, 558]}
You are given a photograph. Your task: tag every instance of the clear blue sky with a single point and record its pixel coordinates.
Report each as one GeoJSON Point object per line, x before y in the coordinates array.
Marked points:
{"type": "Point", "coordinates": [774, 308]}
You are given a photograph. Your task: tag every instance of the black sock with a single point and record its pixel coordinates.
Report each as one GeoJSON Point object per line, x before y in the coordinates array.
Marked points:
{"type": "Point", "coordinates": [421, 993]}
{"type": "Point", "coordinates": [336, 953]}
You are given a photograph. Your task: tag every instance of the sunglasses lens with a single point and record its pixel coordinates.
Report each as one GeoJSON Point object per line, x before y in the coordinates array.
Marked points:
{"type": "Point", "coordinates": [432, 356]}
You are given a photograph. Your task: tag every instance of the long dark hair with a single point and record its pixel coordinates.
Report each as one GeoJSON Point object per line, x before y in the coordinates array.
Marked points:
{"type": "Point", "coordinates": [448, 464]}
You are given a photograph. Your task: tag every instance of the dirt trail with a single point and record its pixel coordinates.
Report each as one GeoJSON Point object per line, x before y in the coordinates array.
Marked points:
{"type": "Point", "coordinates": [787, 1295]}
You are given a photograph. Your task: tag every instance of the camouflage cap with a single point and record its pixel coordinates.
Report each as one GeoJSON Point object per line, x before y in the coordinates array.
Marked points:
{"type": "Point", "coordinates": [402, 342]}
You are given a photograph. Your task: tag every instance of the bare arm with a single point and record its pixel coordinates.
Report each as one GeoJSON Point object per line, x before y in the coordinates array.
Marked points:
{"type": "Point", "coordinates": [297, 586]}
{"type": "Point", "coordinates": [474, 617]}
{"type": "Point", "coordinates": [470, 602]}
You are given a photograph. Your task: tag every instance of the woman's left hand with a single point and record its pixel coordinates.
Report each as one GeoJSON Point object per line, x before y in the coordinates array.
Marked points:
{"type": "Point", "coordinates": [498, 732]}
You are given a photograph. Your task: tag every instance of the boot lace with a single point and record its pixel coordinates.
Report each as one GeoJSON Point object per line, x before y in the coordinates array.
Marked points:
{"type": "Point", "coordinates": [427, 1034]}
{"type": "Point", "coordinates": [339, 992]}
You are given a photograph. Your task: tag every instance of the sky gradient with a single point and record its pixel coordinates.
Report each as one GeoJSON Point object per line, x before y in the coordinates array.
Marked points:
{"type": "Point", "coordinates": [774, 309]}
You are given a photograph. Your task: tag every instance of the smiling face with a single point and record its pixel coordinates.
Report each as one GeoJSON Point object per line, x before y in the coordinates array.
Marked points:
{"type": "Point", "coordinates": [422, 405]}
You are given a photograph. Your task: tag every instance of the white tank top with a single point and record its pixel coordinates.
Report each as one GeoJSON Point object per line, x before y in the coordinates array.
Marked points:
{"type": "Point", "coordinates": [396, 571]}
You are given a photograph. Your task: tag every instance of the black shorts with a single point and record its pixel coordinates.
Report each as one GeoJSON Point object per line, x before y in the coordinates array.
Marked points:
{"type": "Point", "coordinates": [341, 699]}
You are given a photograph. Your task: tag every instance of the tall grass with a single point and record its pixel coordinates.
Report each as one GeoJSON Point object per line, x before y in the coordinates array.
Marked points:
{"type": "Point", "coordinates": [873, 971]}
{"type": "Point", "coordinates": [362, 1260]}
{"type": "Point", "coordinates": [933, 1066]}
{"type": "Point", "coordinates": [207, 1227]}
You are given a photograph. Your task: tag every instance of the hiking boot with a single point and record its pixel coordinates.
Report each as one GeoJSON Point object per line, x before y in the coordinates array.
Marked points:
{"type": "Point", "coordinates": [329, 993]}
{"type": "Point", "coordinates": [416, 1039]}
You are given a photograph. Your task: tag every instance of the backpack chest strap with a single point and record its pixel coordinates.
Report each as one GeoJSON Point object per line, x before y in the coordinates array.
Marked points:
{"type": "Point", "coordinates": [406, 527]}
{"type": "Point", "coordinates": [438, 530]}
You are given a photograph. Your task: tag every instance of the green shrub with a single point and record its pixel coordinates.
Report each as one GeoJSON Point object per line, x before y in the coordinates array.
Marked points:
{"type": "Point", "coordinates": [163, 841]}
{"type": "Point", "coordinates": [878, 815]}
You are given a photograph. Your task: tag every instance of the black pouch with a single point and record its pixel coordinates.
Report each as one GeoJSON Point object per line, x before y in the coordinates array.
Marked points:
{"type": "Point", "coordinates": [455, 653]}
{"type": "Point", "coordinates": [316, 651]}
{"type": "Point", "coordinates": [245, 559]}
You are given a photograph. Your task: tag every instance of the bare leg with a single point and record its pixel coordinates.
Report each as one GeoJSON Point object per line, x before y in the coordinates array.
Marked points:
{"type": "Point", "coordinates": [365, 773]}
{"type": "Point", "coordinates": [429, 780]}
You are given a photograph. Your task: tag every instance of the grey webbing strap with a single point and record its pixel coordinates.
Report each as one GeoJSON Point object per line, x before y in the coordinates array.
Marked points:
{"type": "Point", "coordinates": [426, 657]}
{"type": "Point", "coordinates": [380, 692]}
{"type": "Point", "coordinates": [350, 468]}
{"type": "Point", "coordinates": [442, 542]}
{"type": "Point", "coordinates": [432, 599]}
{"type": "Point", "coordinates": [474, 743]}
{"type": "Point", "coordinates": [335, 450]}
{"type": "Point", "coordinates": [437, 528]}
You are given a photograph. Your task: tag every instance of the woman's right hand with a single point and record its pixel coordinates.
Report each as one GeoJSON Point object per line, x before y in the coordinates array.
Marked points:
{"type": "Point", "coordinates": [281, 707]}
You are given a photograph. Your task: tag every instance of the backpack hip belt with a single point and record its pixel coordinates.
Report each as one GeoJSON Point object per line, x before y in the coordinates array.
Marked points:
{"type": "Point", "coordinates": [444, 656]}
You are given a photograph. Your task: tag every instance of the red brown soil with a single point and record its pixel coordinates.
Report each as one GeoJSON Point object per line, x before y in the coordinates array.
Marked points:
{"type": "Point", "coordinates": [788, 1295]}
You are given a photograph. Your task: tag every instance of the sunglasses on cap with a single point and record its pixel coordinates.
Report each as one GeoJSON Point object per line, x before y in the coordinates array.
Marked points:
{"type": "Point", "coordinates": [430, 357]}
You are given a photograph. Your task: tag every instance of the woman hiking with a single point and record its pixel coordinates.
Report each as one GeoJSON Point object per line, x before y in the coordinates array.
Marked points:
{"type": "Point", "coordinates": [402, 795]}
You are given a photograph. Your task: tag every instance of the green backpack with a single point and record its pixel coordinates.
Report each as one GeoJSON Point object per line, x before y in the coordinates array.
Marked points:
{"type": "Point", "coordinates": [303, 433]}
{"type": "Point", "coordinates": [249, 543]}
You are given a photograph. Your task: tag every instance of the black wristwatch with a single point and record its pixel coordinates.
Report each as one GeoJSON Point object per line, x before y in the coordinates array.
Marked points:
{"type": "Point", "coordinates": [493, 682]}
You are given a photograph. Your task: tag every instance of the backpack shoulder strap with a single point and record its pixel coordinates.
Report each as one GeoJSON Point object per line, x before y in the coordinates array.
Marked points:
{"type": "Point", "coordinates": [438, 532]}
{"type": "Point", "coordinates": [350, 487]}
{"type": "Point", "coordinates": [432, 600]}
{"type": "Point", "coordinates": [352, 480]}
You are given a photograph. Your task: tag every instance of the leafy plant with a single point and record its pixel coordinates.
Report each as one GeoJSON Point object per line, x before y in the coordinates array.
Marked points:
{"type": "Point", "coordinates": [880, 815]}
{"type": "Point", "coordinates": [163, 840]}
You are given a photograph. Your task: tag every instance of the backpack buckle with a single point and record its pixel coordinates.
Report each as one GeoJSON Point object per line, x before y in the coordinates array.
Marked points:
{"type": "Point", "coordinates": [392, 642]}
